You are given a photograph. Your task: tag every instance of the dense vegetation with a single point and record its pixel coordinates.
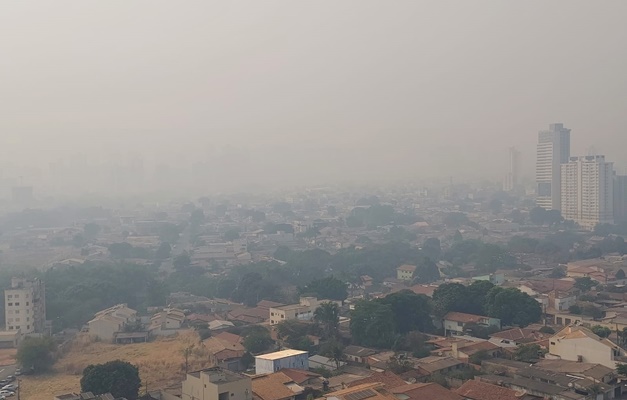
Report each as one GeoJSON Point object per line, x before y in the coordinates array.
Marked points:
{"type": "Point", "coordinates": [119, 378]}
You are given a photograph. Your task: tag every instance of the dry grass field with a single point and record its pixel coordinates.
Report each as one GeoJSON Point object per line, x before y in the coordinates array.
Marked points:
{"type": "Point", "coordinates": [7, 356]}
{"type": "Point", "coordinates": [161, 363]}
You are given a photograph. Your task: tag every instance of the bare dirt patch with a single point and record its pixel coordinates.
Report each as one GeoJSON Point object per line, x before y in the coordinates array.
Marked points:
{"type": "Point", "coordinates": [161, 364]}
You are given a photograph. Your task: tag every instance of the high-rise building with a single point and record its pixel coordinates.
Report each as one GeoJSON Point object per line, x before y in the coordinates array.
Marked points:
{"type": "Point", "coordinates": [553, 150]}
{"type": "Point", "coordinates": [588, 191]}
{"type": "Point", "coordinates": [25, 306]}
{"type": "Point", "coordinates": [512, 179]}
{"type": "Point", "coordinates": [620, 199]}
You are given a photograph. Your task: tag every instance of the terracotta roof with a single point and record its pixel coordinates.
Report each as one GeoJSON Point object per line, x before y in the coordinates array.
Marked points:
{"type": "Point", "coordinates": [473, 348]}
{"type": "Point", "coordinates": [549, 285]}
{"type": "Point", "coordinates": [229, 337]}
{"type": "Point", "coordinates": [373, 391]}
{"type": "Point", "coordinates": [223, 349]}
{"type": "Point", "coordinates": [463, 317]}
{"type": "Point", "coordinates": [359, 351]}
{"type": "Point", "coordinates": [388, 379]}
{"type": "Point", "coordinates": [407, 267]}
{"type": "Point", "coordinates": [421, 391]}
{"type": "Point", "coordinates": [298, 375]}
{"type": "Point", "coordinates": [267, 304]}
{"type": "Point", "coordinates": [272, 386]}
{"type": "Point", "coordinates": [478, 390]}
{"type": "Point", "coordinates": [427, 290]}
{"type": "Point", "coordinates": [521, 335]}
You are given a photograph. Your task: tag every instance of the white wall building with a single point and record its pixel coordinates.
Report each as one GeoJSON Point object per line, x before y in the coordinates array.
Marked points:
{"type": "Point", "coordinates": [587, 187]}
{"type": "Point", "coordinates": [273, 362]}
{"type": "Point", "coordinates": [553, 150]}
{"type": "Point", "coordinates": [577, 343]}
{"type": "Point", "coordinates": [107, 322]}
{"type": "Point", "coordinates": [216, 384]}
{"type": "Point", "coordinates": [25, 306]}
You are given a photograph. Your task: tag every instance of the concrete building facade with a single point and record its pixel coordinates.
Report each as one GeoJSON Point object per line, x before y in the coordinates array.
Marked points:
{"type": "Point", "coordinates": [553, 150]}
{"type": "Point", "coordinates": [512, 178]}
{"type": "Point", "coordinates": [25, 306]}
{"type": "Point", "coordinates": [216, 384]}
{"type": "Point", "coordinates": [587, 186]}
{"type": "Point", "coordinates": [620, 199]}
{"type": "Point", "coordinates": [273, 362]}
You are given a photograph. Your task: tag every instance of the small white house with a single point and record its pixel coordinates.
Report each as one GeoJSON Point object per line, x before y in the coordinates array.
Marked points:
{"type": "Point", "coordinates": [273, 362]}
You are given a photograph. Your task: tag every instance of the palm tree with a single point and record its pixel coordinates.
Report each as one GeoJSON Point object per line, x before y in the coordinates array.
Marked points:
{"type": "Point", "coordinates": [328, 314]}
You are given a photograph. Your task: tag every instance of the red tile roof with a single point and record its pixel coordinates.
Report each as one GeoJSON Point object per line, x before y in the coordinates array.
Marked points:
{"type": "Point", "coordinates": [423, 391]}
{"type": "Point", "coordinates": [478, 390]}
{"type": "Point", "coordinates": [298, 375]}
{"type": "Point", "coordinates": [387, 378]}
{"type": "Point", "coordinates": [229, 337]}
{"type": "Point", "coordinates": [463, 317]}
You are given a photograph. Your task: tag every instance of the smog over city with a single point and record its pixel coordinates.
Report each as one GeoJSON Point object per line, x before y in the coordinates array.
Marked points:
{"type": "Point", "coordinates": [334, 200]}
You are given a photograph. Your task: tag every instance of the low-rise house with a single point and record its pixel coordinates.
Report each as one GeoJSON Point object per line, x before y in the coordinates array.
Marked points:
{"type": "Point", "coordinates": [495, 279]}
{"type": "Point", "coordinates": [224, 353]}
{"type": "Point", "coordinates": [10, 339]}
{"type": "Point", "coordinates": [303, 311]}
{"type": "Point", "coordinates": [319, 361]}
{"type": "Point", "coordinates": [388, 379]}
{"type": "Point", "coordinates": [273, 362]}
{"type": "Point", "coordinates": [370, 391]}
{"type": "Point", "coordinates": [464, 351]}
{"type": "Point", "coordinates": [455, 323]}
{"type": "Point", "coordinates": [275, 386]}
{"type": "Point", "coordinates": [218, 325]}
{"type": "Point", "coordinates": [302, 377]}
{"type": "Point", "coordinates": [107, 322]}
{"type": "Point", "coordinates": [358, 354]}
{"type": "Point", "coordinates": [517, 336]}
{"type": "Point", "coordinates": [434, 364]}
{"type": "Point", "coordinates": [216, 383]}
{"type": "Point", "coordinates": [478, 390]}
{"type": "Point", "coordinates": [578, 343]}
{"type": "Point", "coordinates": [422, 391]}
{"type": "Point", "coordinates": [166, 322]}
{"type": "Point", "coordinates": [405, 272]}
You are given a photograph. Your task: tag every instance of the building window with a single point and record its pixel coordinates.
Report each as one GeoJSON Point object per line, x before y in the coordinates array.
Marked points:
{"type": "Point", "coordinates": [27, 326]}
{"type": "Point", "coordinates": [27, 303]}
{"type": "Point", "coordinates": [10, 327]}
{"type": "Point", "coordinates": [17, 304]}
{"type": "Point", "coordinates": [10, 296]}
{"type": "Point", "coordinates": [10, 304]}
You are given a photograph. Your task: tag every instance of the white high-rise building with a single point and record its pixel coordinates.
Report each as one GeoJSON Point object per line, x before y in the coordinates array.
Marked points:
{"type": "Point", "coordinates": [588, 191]}
{"type": "Point", "coordinates": [511, 181]}
{"type": "Point", "coordinates": [25, 306]}
{"type": "Point", "coordinates": [553, 150]}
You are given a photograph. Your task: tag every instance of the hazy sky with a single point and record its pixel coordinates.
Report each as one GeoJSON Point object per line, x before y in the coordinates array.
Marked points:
{"type": "Point", "coordinates": [322, 88]}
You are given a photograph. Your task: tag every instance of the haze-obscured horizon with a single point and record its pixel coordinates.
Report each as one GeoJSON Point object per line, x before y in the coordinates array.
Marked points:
{"type": "Point", "coordinates": [241, 93]}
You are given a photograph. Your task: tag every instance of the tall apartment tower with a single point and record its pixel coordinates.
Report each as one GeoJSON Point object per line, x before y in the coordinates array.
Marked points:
{"type": "Point", "coordinates": [588, 191]}
{"type": "Point", "coordinates": [553, 150]}
{"type": "Point", "coordinates": [512, 179]}
{"type": "Point", "coordinates": [25, 306]}
{"type": "Point", "coordinates": [620, 199]}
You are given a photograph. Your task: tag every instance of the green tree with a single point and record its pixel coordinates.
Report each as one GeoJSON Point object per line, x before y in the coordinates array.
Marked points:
{"type": "Point", "coordinates": [557, 272]}
{"type": "Point", "coordinates": [527, 352]}
{"type": "Point", "coordinates": [585, 284]}
{"type": "Point", "coordinates": [328, 315]}
{"type": "Point", "coordinates": [455, 219]}
{"type": "Point", "coordinates": [547, 329]}
{"type": "Point", "coordinates": [450, 297]}
{"type": "Point", "coordinates": [182, 260]}
{"type": "Point", "coordinates": [601, 331]}
{"type": "Point", "coordinates": [410, 311]}
{"type": "Point", "coordinates": [621, 369]}
{"type": "Point", "coordinates": [575, 309]}
{"type": "Point", "coordinates": [257, 342]}
{"type": "Point", "coordinates": [119, 378]}
{"type": "Point", "coordinates": [432, 248]}
{"type": "Point", "coordinates": [164, 251]}
{"type": "Point", "coordinates": [329, 288]}
{"type": "Point", "coordinates": [372, 324]}
{"type": "Point", "coordinates": [36, 354]}
{"type": "Point", "coordinates": [512, 306]}
{"type": "Point", "coordinates": [479, 356]}
{"type": "Point", "coordinates": [333, 350]}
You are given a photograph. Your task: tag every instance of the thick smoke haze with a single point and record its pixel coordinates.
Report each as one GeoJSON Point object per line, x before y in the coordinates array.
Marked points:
{"type": "Point", "coordinates": [250, 92]}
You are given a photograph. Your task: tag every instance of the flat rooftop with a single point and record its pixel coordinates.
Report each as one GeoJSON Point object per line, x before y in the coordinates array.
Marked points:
{"type": "Point", "coordinates": [281, 354]}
